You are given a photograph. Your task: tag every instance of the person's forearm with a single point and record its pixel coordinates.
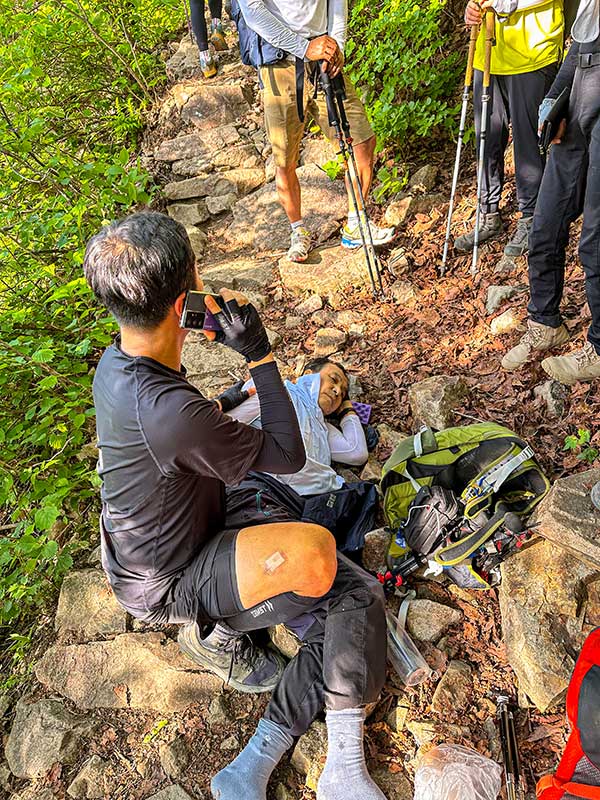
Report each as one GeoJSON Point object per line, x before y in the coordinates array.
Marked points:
{"type": "Point", "coordinates": [259, 19]}
{"type": "Point", "coordinates": [349, 445]}
{"type": "Point", "coordinates": [337, 24]}
{"type": "Point", "coordinates": [282, 450]}
{"type": "Point", "coordinates": [566, 74]}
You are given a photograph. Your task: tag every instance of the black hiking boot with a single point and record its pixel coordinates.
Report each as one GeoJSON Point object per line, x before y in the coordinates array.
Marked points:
{"type": "Point", "coordinates": [518, 245]}
{"type": "Point", "coordinates": [490, 226]}
{"type": "Point", "coordinates": [234, 657]}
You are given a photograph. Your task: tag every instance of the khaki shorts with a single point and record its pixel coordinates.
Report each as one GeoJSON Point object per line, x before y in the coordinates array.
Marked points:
{"type": "Point", "coordinates": [282, 122]}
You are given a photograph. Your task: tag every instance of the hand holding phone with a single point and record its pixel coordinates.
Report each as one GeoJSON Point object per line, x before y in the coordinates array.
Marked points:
{"type": "Point", "coordinates": [195, 314]}
{"type": "Point", "coordinates": [241, 326]}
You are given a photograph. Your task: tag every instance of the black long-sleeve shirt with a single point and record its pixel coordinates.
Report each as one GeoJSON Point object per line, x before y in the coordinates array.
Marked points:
{"type": "Point", "coordinates": [566, 73]}
{"type": "Point", "coordinates": [166, 454]}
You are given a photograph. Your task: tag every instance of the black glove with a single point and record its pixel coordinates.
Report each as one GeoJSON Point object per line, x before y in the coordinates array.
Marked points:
{"type": "Point", "coordinates": [242, 330]}
{"type": "Point", "coordinates": [232, 397]}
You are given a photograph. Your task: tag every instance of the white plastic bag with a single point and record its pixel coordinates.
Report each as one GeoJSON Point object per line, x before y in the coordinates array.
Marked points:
{"type": "Point", "coordinates": [452, 772]}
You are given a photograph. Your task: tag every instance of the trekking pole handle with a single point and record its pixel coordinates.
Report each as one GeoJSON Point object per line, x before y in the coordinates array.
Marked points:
{"type": "Point", "coordinates": [471, 57]}
{"type": "Point", "coordinates": [490, 41]}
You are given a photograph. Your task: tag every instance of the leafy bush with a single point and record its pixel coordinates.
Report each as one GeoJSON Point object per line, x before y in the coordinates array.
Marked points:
{"type": "Point", "coordinates": [399, 55]}
{"type": "Point", "coordinates": [581, 444]}
{"type": "Point", "coordinates": [76, 77]}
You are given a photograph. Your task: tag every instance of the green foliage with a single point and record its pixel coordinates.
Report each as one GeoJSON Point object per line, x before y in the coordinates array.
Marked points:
{"type": "Point", "coordinates": [334, 167]}
{"type": "Point", "coordinates": [580, 444]}
{"type": "Point", "coordinates": [400, 56]}
{"type": "Point", "coordinates": [76, 77]}
{"type": "Point", "coordinates": [391, 181]}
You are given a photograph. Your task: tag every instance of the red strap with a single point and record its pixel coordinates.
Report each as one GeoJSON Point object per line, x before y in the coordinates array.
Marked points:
{"type": "Point", "coordinates": [578, 789]}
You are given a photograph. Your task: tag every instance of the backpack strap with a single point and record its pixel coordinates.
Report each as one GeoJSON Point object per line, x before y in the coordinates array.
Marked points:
{"type": "Point", "coordinates": [491, 480]}
{"type": "Point", "coordinates": [553, 784]}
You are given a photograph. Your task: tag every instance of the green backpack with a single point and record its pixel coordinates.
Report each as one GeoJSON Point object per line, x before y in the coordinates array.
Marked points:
{"type": "Point", "coordinates": [482, 464]}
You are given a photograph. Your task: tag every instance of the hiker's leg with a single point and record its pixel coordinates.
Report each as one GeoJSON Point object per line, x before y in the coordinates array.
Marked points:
{"type": "Point", "coordinates": [199, 24]}
{"type": "Point", "coordinates": [341, 663]}
{"type": "Point", "coordinates": [525, 93]}
{"type": "Point", "coordinates": [284, 131]}
{"type": "Point", "coordinates": [365, 156]}
{"type": "Point", "coordinates": [589, 245]}
{"type": "Point", "coordinates": [496, 140]}
{"type": "Point", "coordinates": [216, 9]}
{"type": "Point", "coordinates": [559, 203]}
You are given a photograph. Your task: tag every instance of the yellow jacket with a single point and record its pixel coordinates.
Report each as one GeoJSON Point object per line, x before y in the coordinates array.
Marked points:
{"type": "Point", "coordinates": [525, 40]}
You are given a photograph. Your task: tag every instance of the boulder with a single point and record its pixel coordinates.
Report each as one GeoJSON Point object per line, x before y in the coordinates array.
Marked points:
{"type": "Point", "coordinates": [568, 518]}
{"type": "Point", "coordinates": [308, 757]}
{"type": "Point", "coordinates": [44, 733]}
{"type": "Point", "coordinates": [91, 780]}
{"type": "Point", "coordinates": [292, 322]}
{"type": "Point", "coordinates": [87, 605]}
{"type": "Point", "coordinates": [211, 367]}
{"type": "Point", "coordinates": [199, 147]}
{"type": "Point", "coordinates": [509, 320]}
{"type": "Point", "coordinates": [377, 544]}
{"type": "Point", "coordinates": [198, 240]}
{"type": "Point", "coordinates": [389, 438]}
{"type": "Point", "coordinates": [209, 106]}
{"type": "Point", "coordinates": [175, 758]}
{"type": "Point", "coordinates": [220, 204]}
{"type": "Point", "coordinates": [397, 717]}
{"type": "Point", "coordinates": [539, 603]}
{"type": "Point", "coordinates": [311, 304]}
{"type": "Point", "coordinates": [184, 62]}
{"type": "Point", "coordinates": [394, 785]}
{"type": "Point", "coordinates": [423, 731]}
{"type": "Point", "coordinates": [135, 670]}
{"type": "Point", "coordinates": [328, 341]}
{"type": "Point", "coordinates": [329, 272]}
{"type": "Point", "coordinates": [172, 792]}
{"type": "Point", "coordinates": [428, 621]}
{"type": "Point", "coordinates": [219, 712]}
{"type": "Point", "coordinates": [240, 274]}
{"type": "Point", "coordinates": [398, 210]}
{"type": "Point", "coordinates": [424, 179]}
{"type": "Point", "coordinates": [433, 400]}
{"type": "Point", "coordinates": [260, 223]}
{"type": "Point", "coordinates": [554, 395]}
{"type": "Point", "coordinates": [235, 181]}
{"type": "Point", "coordinates": [189, 214]}
{"type": "Point", "coordinates": [424, 204]}
{"type": "Point", "coordinates": [496, 295]}
{"type": "Point", "coordinates": [455, 689]}
{"type": "Point", "coordinates": [285, 640]}
{"type": "Point", "coordinates": [372, 470]}
{"type": "Point", "coordinates": [244, 155]}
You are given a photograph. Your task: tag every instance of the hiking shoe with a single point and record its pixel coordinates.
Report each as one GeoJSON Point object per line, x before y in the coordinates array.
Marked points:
{"type": "Point", "coordinates": [351, 238]}
{"type": "Point", "coordinates": [518, 245]}
{"type": "Point", "coordinates": [300, 246]}
{"type": "Point", "coordinates": [537, 339]}
{"type": "Point", "coordinates": [490, 226]}
{"type": "Point", "coordinates": [217, 37]}
{"type": "Point", "coordinates": [208, 65]}
{"type": "Point", "coordinates": [582, 365]}
{"type": "Point", "coordinates": [235, 659]}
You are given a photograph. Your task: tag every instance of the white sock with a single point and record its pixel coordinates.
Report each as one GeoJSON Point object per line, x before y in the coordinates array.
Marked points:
{"type": "Point", "coordinates": [297, 225]}
{"type": "Point", "coordinates": [352, 220]}
{"type": "Point", "coordinates": [345, 773]}
{"type": "Point", "coordinates": [216, 22]}
{"type": "Point", "coordinates": [205, 54]}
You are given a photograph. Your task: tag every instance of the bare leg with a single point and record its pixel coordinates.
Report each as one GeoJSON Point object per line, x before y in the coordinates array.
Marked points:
{"type": "Point", "coordinates": [284, 557]}
{"type": "Point", "coordinates": [288, 191]}
{"type": "Point", "coordinates": [365, 156]}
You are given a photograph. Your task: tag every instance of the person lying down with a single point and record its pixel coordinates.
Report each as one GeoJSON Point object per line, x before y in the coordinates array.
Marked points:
{"type": "Point", "coordinates": [319, 395]}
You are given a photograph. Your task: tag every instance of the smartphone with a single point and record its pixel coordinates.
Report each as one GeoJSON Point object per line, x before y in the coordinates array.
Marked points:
{"type": "Point", "coordinates": [195, 315]}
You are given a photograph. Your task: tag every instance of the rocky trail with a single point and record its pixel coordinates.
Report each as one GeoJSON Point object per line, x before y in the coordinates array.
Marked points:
{"type": "Point", "coordinates": [114, 709]}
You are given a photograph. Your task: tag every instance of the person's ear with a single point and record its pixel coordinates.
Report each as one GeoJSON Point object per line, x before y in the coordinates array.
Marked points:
{"type": "Point", "coordinates": [179, 303]}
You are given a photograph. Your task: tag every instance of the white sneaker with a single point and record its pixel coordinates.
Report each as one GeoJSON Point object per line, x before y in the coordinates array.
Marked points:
{"type": "Point", "coordinates": [300, 245]}
{"type": "Point", "coordinates": [351, 238]}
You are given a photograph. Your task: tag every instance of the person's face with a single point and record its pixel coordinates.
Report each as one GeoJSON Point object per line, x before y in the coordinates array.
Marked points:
{"type": "Point", "coordinates": [333, 390]}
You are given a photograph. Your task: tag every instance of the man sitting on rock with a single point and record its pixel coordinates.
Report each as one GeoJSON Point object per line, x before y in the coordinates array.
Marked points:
{"type": "Point", "coordinates": [312, 31]}
{"type": "Point", "coordinates": [167, 455]}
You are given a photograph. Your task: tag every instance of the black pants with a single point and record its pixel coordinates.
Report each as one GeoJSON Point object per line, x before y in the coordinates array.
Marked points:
{"type": "Point", "coordinates": [513, 99]}
{"type": "Point", "coordinates": [570, 187]}
{"type": "Point", "coordinates": [342, 661]}
{"type": "Point", "coordinates": [199, 22]}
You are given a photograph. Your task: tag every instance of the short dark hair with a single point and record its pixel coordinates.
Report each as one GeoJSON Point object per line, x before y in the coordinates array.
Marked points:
{"type": "Point", "coordinates": [138, 266]}
{"type": "Point", "coordinates": [317, 364]}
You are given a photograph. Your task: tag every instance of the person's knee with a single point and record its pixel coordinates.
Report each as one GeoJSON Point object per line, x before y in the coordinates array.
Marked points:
{"type": "Point", "coordinates": [286, 174]}
{"type": "Point", "coordinates": [316, 559]}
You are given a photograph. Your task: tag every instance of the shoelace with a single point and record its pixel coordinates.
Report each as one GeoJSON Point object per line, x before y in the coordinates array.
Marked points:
{"type": "Point", "coordinates": [587, 355]}
{"type": "Point", "coordinates": [533, 336]}
{"type": "Point", "coordinates": [521, 233]}
{"type": "Point", "coordinates": [243, 651]}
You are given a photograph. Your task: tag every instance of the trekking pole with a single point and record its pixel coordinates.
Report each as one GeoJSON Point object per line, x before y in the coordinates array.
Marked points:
{"type": "Point", "coordinates": [510, 750]}
{"type": "Point", "coordinates": [335, 94]}
{"type": "Point", "coordinates": [461, 135]}
{"type": "Point", "coordinates": [490, 23]}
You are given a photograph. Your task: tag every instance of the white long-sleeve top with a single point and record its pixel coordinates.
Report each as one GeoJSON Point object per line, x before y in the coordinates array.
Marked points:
{"type": "Point", "coordinates": [347, 446]}
{"type": "Point", "coordinates": [291, 24]}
